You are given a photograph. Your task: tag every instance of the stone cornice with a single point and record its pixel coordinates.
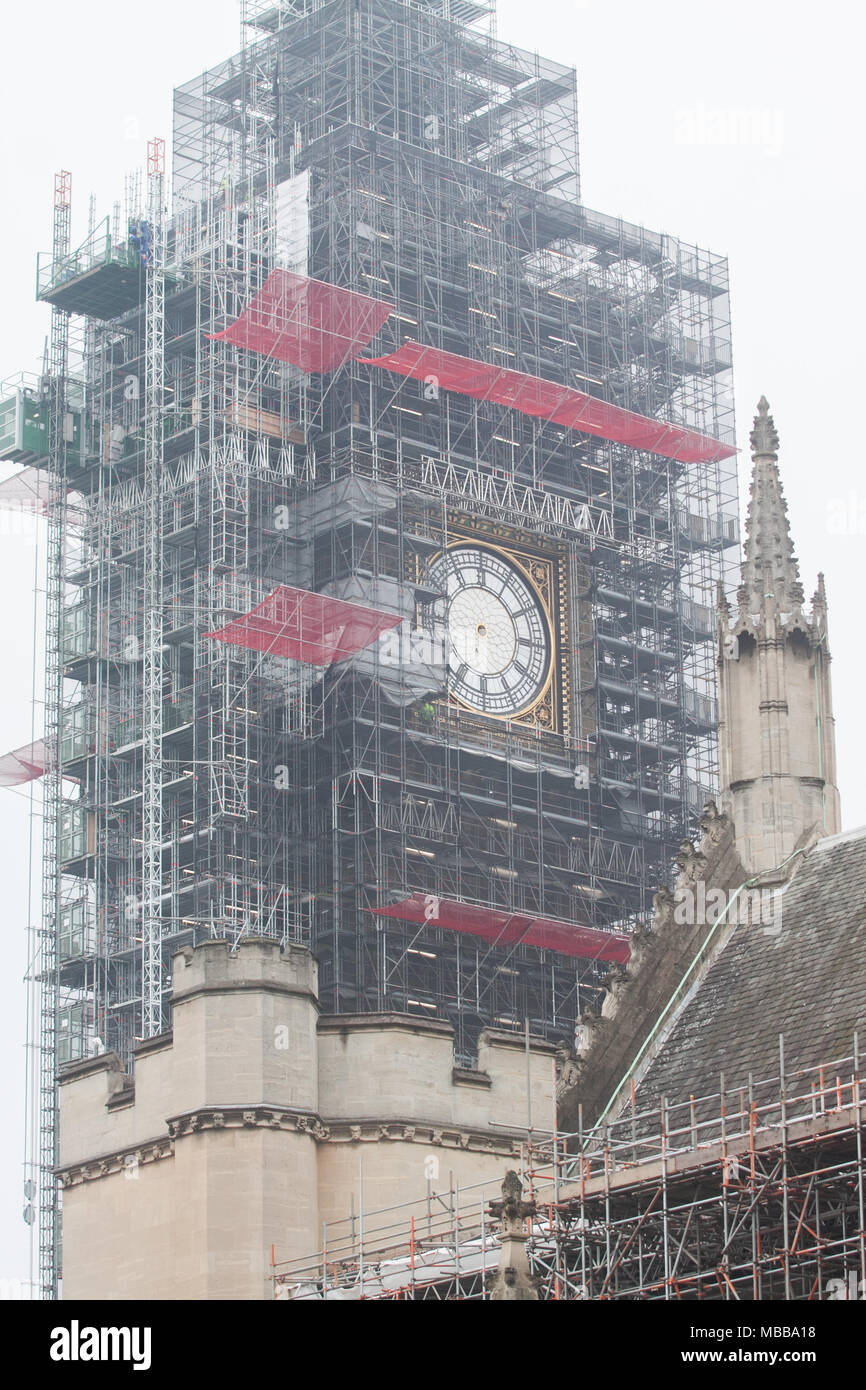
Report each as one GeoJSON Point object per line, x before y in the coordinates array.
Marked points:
{"type": "Point", "coordinates": [126, 1161]}
{"type": "Point", "coordinates": [91, 1066]}
{"type": "Point", "coordinates": [332, 1131]}
{"type": "Point", "coordinates": [422, 1132]}
{"type": "Point", "coordinates": [196, 991]}
{"type": "Point", "coordinates": [160, 1043]}
{"type": "Point", "coordinates": [357, 1023]}
{"type": "Point", "coordinates": [246, 1117]}
{"type": "Point", "coordinates": [501, 1037]}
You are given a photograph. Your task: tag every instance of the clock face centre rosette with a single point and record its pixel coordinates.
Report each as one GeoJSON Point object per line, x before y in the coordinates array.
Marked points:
{"type": "Point", "coordinates": [498, 639]}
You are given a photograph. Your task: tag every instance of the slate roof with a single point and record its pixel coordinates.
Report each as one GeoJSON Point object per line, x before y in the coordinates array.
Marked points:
{"type": "Point", "coordinates": [806, 981]}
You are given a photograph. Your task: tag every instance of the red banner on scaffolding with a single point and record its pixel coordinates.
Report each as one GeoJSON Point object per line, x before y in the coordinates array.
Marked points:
{"type": "Point", "coordinates": [500, 928]}
{"type": "Point", "coordinates": [309, 323]}
{"type": "Point", "coordinates": [307, 627]}
{"type": "Point", "coordinates": [548, 400]}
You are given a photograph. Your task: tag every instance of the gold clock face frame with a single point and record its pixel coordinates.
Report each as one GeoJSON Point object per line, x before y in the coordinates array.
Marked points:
{"type": "Point", "coordinates": [499, 636]}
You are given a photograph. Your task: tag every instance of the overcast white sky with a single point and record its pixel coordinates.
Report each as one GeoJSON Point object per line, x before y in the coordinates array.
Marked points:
{"type": "Point", "coordinates": [736, 126]}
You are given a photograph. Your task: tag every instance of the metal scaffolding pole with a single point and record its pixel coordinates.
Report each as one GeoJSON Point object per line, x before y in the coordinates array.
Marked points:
{"type": "Point", "coordinates": [152, 719]}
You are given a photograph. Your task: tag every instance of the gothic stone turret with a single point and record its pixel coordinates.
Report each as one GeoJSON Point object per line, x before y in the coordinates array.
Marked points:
{"type": "Point", "coordinates": [776, 733]}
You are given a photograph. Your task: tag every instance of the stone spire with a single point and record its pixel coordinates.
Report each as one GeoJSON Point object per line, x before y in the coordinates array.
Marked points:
{"type": "Point", "coordinates": [764, 438]}
{"type": "Point", "coordinates": [770, 573]}
{"type": "Point", "coordinates": [819, 607]}
{"type": "Point", "coordinates": [777, 755]}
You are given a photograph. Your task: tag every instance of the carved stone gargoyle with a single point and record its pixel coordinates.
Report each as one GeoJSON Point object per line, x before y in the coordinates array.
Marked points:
{"type": "Point", "coordinates": [567, 1068]}
{"type": "Point", "coordinates": [512, 1279]}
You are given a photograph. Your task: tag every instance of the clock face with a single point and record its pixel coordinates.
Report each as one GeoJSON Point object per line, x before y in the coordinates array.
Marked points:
{"type": "Point", "coordinates": [498, 637]}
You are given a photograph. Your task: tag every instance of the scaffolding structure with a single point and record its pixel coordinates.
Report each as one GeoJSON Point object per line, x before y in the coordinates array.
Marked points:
{"type": "Point", "coordinates": [755, 1193]}
{"type": "Point", "coordinates": [45, 958]}
{"type": "Point", "coordinates": [393, 151]}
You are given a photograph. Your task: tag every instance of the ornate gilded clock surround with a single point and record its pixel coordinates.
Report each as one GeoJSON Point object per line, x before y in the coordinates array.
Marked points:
{"type": "Point", "coordinates": [542, 562]}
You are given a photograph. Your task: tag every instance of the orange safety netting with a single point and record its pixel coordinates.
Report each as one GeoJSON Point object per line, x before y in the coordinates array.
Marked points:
{"type": "Point", "coordinates": [306, 627]}
{"type": "Point", "coordinates": [548, 400]}
{"type": "Point", "coordinates": [309, 323]}
{"type": "Point", "coordinates": [500, 928]}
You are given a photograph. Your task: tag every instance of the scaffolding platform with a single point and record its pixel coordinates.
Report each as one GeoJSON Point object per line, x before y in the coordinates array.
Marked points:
{"type": "Point", "coordinates": [104, 291]}
{"type": "Point", "coordinates": [307, 323]}
{"type": "Point", "coordinates": [314, 629]}
{"type": "Point", "coordinates": [102, 278]}
{"type": "Point", "coordinates": [509, 929]}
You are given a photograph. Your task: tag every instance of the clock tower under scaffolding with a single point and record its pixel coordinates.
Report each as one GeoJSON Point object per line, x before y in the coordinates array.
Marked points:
{"type": "Point", "coordinates": [389, 493]}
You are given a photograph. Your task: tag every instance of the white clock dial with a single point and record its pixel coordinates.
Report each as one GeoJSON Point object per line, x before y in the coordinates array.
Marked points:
{"type": "Point", "coordinates": [498, 639]}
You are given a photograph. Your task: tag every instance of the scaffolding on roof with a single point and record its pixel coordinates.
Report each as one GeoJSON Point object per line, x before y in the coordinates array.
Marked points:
{"type": "Point", "coordinates": [757, 1193]}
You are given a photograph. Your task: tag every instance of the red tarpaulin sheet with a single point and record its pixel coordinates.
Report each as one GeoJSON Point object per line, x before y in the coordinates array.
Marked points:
{"type": "Point", "coordinates": [306, 627]}
{"type": "Point", "coordinates": [313, 325]}
{"type": "Point", "coordinates": [23, 765]}
{"type": "Point", "coordinates": [547, 400]}
{"type": "Point", "coordinates": [28, 490]}
{"type": "Point", "coordinates": [501, 928]}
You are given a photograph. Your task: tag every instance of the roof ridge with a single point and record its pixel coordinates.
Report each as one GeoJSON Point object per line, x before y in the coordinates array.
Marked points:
{"type": "Point", "coordinates": [828, 841]}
